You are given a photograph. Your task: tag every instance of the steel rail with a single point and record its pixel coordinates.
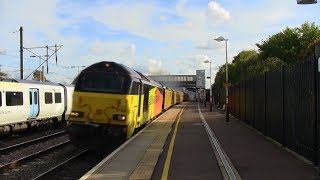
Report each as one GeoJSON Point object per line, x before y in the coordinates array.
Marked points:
{"type": "Point", "coordinates": [15, 162]}
{"type": "Point", "coordinates": [60, 165]}
{"type": "Point", "coordinates": [2, 150]}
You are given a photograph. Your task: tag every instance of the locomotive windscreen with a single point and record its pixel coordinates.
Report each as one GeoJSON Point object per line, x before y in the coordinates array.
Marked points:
{"type": "Point", "coordinates": [102, 82]}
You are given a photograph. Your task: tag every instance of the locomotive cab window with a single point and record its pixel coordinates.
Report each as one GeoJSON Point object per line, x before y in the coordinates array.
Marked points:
{"type": "Point", "coordinates": [57, 97]}
{"type": "Point", "coordinates": [102, 82]}
{"type": "Point", "coordinates": [48, 98]}
{"type": "Point", "coordinates": [146, 98]}
{"type": "Point", "coordinates": [14, 98]}
{"type": "Point", "coordinates": [135, 88]}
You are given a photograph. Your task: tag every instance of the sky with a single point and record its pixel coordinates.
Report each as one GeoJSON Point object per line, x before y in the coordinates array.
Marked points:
{"type": "Point", "coordinates": [155, 37]}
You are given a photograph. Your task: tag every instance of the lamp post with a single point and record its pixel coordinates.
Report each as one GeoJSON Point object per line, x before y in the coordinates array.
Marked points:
{"type": "Point", "coordinates": [219, 39]}
{"type": "Point", "coordinates": [78, 68]}
{"type": "Point", "coordinates": [207, 61]}
{"type": "Point", "coordinates": [306, 1]}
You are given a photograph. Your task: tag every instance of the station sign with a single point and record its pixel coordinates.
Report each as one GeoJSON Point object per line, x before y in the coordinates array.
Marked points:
{"type": "Point", "coordinates": [200, 79]}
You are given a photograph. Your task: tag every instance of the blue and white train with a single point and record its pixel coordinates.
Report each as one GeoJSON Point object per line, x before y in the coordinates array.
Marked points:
{"type": "Point", "coordinates": [29, 103]}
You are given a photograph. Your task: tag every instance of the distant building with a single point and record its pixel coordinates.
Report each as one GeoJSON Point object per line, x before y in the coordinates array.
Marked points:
{"type": "Point", "coordinates": [187, 83]}
{"type": "Point", "coordinates": [176, 81]}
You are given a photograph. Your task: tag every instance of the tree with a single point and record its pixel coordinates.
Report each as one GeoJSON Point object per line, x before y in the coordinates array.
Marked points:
{"type": "Point", "coordinates": [269, 64]}
{"type": "Point", "coordinates": [281, 49]}
{"type": "Point", "coordinates": [290, 45]}
{"type": "Point", "coordinates": [37, 76]}
{"type": "Point", "coordinates": [2, 74]}
{"type": "Point", "coordinates": [239, 69]}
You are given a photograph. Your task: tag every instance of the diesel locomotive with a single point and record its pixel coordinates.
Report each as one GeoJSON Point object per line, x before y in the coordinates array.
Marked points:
{"type": "Point", "coordinates": [113, 100]}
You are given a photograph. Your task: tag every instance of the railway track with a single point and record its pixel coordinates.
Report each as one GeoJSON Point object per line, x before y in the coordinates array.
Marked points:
{"type": "Point", "coordinates": [60, 167]}
{"type": "Point", "coordinates": [48, 157]}
{"type": "Point", "coordinates": [35, 133]}
{"type": "Point", "coordinates": [15, 162]}
{"type": "Point", "coordinates": [26, 160]}
{"type": "Point", "coordinates": [30, 142]}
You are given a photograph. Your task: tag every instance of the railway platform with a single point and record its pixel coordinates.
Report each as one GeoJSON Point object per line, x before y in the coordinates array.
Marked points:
{"type": "Point", "coordinates": [190, 142]}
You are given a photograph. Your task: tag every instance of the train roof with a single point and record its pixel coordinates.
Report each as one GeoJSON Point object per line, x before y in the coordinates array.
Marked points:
{"type": "Point", "coordinates": [109, 66]}
{"type": "Point", "coordinates": [36, 82]}
{"type": "Point", "coordinates": [5, 79]}
{"type": "Point", "coordinates": [30, 81]}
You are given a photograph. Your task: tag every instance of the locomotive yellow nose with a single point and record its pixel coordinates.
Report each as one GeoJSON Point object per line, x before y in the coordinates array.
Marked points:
{"type": "Point", "coordinates": [98, 111]}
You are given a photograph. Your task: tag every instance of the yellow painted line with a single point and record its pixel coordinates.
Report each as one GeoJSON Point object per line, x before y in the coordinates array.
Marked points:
{"type": "Point", "coordinates": [169, 154]}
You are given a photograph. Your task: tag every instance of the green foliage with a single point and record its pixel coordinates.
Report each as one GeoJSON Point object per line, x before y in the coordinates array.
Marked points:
{"type": "Point", "coordinates": [269, 64]}
{"type": "Point", "coordinates": [281, 49]}
{"type": "Point", "coordinates": [37, 76]}
{"type": "Point", "coordinates": [239, 69]}
{"type": "Point", "coordinates": [290, 44]}
{"type": "Point", "coordinates": [2, 74]}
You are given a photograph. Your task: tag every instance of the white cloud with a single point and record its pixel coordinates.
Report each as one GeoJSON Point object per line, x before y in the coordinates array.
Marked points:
{"type": "Point", "coordinates": [188, 25]}
{"type": "Point", "coordinates": [155, 67]}
{"type": "Point", "coordinates": [132, 49]}
{"type": "Point", "coordinates": [268, 16]}
{"type": "Point", "coordinates": [138, 19]}
{"type": "Point", "coordinates": [217, 14]}
{"type": "Point", "coordinates": [2, 51]}
{"type": "Point", "coordinates": [196, 26]}
{"type": "Point", "coordinates": [192, 63]}
{"type": "Point", "coordinates": [112, 49]}
{"type": "Point", "coordinates": [163, 18]}
{"type": "Point", "coordinates": [208, 45]}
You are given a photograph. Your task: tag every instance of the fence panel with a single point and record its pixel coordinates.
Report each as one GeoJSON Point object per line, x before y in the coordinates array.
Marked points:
{"type": "Point", "coordinates": [231, 100]}
{"type": "Point", "coordinates": [300, 108]}
{"type": "Point", "coordinates": [260, 103]}
{"type": "Point", "coordinates": [274, 105]}
{"type": "Point", "coordinates": [249, 101]}
{"type": "Point", "coordinates": [242, 98]}
{"type": "Point", "coordinates": [237, 101]}
{"type": "Point", "coordinates": [219, 96]}
{"type": "Point", "coordinates": [284, 105]}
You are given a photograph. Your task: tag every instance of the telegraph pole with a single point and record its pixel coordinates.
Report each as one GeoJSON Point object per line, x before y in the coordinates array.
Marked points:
{"type": "Point", "coordinates": [21, 52]}
{"type": "Point", "coordinates": [47, 56]}
{"type": "Point", "coordinates": [47, 59]}
{"type": "Point", "coordinates": [56, 48]}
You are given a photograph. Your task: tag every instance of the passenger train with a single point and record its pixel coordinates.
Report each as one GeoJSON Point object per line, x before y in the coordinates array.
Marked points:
{"type": "Point", "coordinates": [111, 99]}
{"type": "Point", "coordinates": [24, 104]}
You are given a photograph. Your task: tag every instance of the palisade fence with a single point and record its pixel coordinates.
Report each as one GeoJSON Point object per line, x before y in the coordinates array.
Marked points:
{"type": "Point", "coordinates": [283, 105]}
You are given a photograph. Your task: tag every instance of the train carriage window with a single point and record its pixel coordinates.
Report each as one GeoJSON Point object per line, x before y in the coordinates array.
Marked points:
{"type": "Point", "coordinates": [30, 97]}
{"type": "Point", "coordinates": [48, 98]}
{"type": "Point", "coordinates": [57, 97]}
{"type": "Point", "coordinates": [0, 99]}
{"type": "Point", "coordinates": [14, 98]}
{"type": "Point", "coordinates": [35, 97]}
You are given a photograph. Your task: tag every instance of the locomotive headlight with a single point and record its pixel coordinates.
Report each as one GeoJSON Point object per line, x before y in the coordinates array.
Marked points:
{"type": "Point", "coordinates": [76, 114]}
{"type": "Point", "coordinates": [119, 117]}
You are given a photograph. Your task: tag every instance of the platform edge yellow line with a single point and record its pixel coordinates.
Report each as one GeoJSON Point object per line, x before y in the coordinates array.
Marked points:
{"type": "Point", "coordinates": [166, 167]}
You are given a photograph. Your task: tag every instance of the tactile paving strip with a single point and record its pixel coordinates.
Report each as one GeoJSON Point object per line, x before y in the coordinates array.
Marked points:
{"type": "Point", "coordinates": [149, 160]}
